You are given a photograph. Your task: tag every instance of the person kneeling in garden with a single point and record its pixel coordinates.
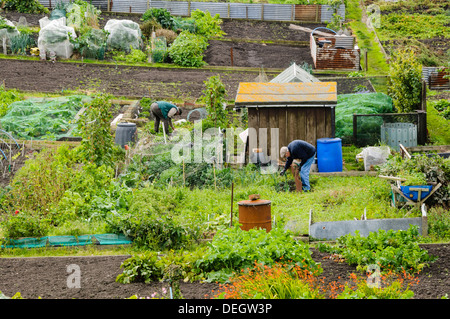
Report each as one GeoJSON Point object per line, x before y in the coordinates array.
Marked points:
{"type": "Point", "coordinates": [303, 151]}
{"type": "Point", "coordinates": [165, 112]}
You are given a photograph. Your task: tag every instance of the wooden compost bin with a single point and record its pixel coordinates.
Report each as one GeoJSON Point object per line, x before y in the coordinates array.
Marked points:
{"type": "Point", "coordinates": [303, 111]}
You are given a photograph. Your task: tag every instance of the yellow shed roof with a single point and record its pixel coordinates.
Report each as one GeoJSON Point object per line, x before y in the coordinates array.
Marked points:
{"type": "Point", "coordinates": [286, 94]}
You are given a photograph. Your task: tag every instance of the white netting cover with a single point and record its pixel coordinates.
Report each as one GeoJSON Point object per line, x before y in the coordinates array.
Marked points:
{"type": "Point", "coordinates": [74, 16]}
{"type": "Point", "coordinates": [54, 36]}
{"type": "Point", "coordinates": [123, 35]}
{"type": "Point", "coordinates": [8, 33]}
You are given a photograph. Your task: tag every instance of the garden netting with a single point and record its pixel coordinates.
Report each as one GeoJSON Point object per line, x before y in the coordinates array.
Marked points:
{"type": "Point", "coordinates": [366, 103]}
{"type": "Point", "coordinates": [61, 241]}
{"type": "Point", "coordinates": [124, 35]}
{"type": "Point", "coordinates": [43, 118]}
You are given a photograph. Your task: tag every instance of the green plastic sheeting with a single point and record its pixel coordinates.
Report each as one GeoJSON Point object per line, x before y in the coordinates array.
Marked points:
{"type": "Point", "coordinates": [365, 103]}
{"type": "Point", "coordinates": [62, 241]}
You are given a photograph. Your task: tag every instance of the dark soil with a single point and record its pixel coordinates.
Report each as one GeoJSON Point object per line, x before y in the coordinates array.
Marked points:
{"type": "Point", "coordinates": [48, 277]}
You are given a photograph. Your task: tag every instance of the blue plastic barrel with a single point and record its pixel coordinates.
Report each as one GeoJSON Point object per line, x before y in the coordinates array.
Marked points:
{"type": "Point", "coordinates": [329, 155]}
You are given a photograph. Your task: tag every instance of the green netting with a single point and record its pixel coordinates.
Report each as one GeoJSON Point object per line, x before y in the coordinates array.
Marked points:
{"type": "Point", "coordinates": [62, 241]}
{"type": "Point", "coordinates": [43, 118]}
{"type": "Point", "coordinates": [367, 103]}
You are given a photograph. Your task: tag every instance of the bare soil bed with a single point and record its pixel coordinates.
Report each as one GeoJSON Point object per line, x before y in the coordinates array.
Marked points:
{"type": "Point", "coordinates": [47, 277]}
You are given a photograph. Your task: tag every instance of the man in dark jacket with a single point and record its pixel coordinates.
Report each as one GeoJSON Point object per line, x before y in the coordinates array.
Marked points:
{"type": "Point", "coordinates": [303, 151]}
{"type": "Point", "coordinates": [164, 111]}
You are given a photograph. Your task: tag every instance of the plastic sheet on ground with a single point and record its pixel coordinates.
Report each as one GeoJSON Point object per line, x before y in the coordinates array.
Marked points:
{"type": "Point", "coordinates": [64, 241]}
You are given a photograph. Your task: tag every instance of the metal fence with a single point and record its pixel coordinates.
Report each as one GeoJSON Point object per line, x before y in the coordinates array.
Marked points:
{"type": "Point", "coordinates": [257, 11]}
{"type": "Point", "coordinates": [389, 128]}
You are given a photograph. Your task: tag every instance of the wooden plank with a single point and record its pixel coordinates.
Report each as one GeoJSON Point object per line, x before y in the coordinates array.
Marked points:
{"type": "Point", "coordinates": [310, 126]}
{"type": "Point", "coordinates": [301, 123]}
{"type": "Point", "coordinates": [263, 132]}
{"type": "Point", "coordinates": [273, 140]}
{"type": "Point", "coordinates": [282, 125]}
{"type": "Point", "coordinates": [292, 125]}
{"type": "Point", "coordinates": [320, 123]}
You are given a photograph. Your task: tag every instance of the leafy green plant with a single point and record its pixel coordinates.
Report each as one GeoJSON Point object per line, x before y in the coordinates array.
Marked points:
{"type": "Point", "coordinates": [29, 6]}
{"type": "Point", "coordinates": [6, 98]}
{"type": "Point", "coordinates": [41, 182]}
{"type": "Point", "coordinates": [420, 170]}
{"type": "Point", "coordinates": [161, 15]}
{"type": "Point", "coordinates": [187, 50]}
{"type": "Point", "coordinates": [395, 251]}
{"type": "Point", "coordinates": [21, 43]}
{"type": "Point", "coordinates": [405, 81]}
{"type": "Point", "coordinates": [214, 98]}
{"type": "Point", "coordinates": [207, 25]}
{"type": "Point", "coordinates": [233, 249]}
{"type": "Point", "coordinates": [97, 145]}
{"type": "Point", "coordinates": [22, 224]}
{"type": "Point", "coordinates": [135, 56]}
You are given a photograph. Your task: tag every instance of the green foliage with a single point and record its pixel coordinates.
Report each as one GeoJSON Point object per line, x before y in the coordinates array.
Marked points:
{"type": "Point", "coordinates": [41, 182]}
{"type": "Point", "coordinates": [97, 145]}
{"type": "Point", "coordinates": [233, 249]}
{"type": "Point", "coordinates": [24, 225]}
{"type": "Point", "coordinates": [135, 56]}
{"type": "Point", "coordinates": [27, 6]}
{"type": "Point", "coordinates": [419, 170]}
{"type": "Point", "coordinates": [437, 125]}
{"type": "Point", "coordinates": [396, 251]}
{"type": "Point", "coordinates": [187, 50]}
{"type": "Point", "coordinates": [150, 266]}
{"type": "Point", "coordinates": [6, 98]}
{"type": "Point", "coordinates": [443, 107]}
{"type": "Point", "coordinates": [21, 43]}
{"type": "Point", "coordinates": [161, 15]}
{"type": "Point", "coordinates": [419, 26]}
{"type": "Point", "coordinates": [91, 44]}
{"type": "Point", "coordinates": [206, 25]}
{"type": "Point", "coordinates": [405, 81]}
{"type": "Point", "coordinates": [439, 223]}
{"type": "Point", "coordinates": [149, 220]}
{"type": "Point", "coordinates": [214, 99]}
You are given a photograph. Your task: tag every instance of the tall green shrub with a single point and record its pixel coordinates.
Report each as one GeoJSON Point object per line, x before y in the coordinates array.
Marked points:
{"type": "Point", "coordinates": [187, 50]}
{"type": "Point", "coordinates": [97, 145]}
{"type": "Point", "coordinates": [405, 81]}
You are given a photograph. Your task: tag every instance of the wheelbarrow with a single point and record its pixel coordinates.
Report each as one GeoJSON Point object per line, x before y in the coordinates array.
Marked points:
{"type": "Point", "coordinates": [410, 195]}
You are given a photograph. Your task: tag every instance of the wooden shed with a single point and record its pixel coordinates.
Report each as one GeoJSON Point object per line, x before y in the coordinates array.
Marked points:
{"type": "Point", "coordinates": [279, 113]}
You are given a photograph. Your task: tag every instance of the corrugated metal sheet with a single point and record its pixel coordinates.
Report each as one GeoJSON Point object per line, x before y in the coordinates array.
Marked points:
{"type": "Point", "coordinates": [213, 8]}
{"type": "Point", "coordinates": [282, 94]}
{"type": "Point", "coordinates": [245, 11]}
{"type": "Point", "coordinates": [394, 134]}
{"type": "Point", "coordinates": [176, 8]}
{"type": "Point", "coordinates": [255, 11]}
{"type": "Point", "coordinates": [130, 6]}
{"type": "Point", "coordinates": [277, 12]}
{"type": "Point", "coordinates": [327, 12]}
{"type": "Point", "coordinates": [434, 77]}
